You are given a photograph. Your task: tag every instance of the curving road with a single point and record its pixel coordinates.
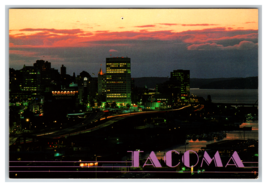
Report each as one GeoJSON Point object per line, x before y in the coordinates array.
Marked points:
{"type": "Point", "coordinates": [72, 131]}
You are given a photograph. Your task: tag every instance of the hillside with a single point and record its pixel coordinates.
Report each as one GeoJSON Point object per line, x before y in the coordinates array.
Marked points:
{"type": "Point", "coordinates": [217, 83]}
{"type": "Point", "coordinates": [237, 83]}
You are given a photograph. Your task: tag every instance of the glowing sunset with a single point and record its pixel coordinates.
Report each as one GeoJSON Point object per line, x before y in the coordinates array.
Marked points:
{"type": "Point", "coordinates": [134, 93]}
{"type": "Point", "coordinates": [174, 37]}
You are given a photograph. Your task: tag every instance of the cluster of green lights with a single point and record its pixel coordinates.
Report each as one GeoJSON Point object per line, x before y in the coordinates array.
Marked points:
{"type": "Point", "coordinates": [114, 81]}
{"type": "Point", "coordinates": [198, 171]}
{"type": "Point", "coordinates": [57, 154]}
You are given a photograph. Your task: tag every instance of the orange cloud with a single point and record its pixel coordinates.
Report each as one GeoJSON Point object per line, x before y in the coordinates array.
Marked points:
{"type": "Point", "coordinates": [22, 53]}
{"type": "Point", "coordinates": [168, 24]}
{"type": "Point", "coordinates": [243, 45]}
{"type": "Point", "coordinates": [112, 50]}
{"type": "Point", "coordinates": [63, 31]}
{"type": "Point", "coordinates": [80, 38]}
{"type": "Point", "coordinates": [203, 24]}
{"type": "Point", "coordinates": [250, 22]}
{"type": "Point", "coordinates": [146, 26]}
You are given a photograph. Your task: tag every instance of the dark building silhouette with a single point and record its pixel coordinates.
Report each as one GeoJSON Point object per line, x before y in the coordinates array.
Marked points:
{"type": "Point", "coordinates": [63, 70]}
{"type": "Point", "coordinates": [177, 89]}
{"type": "Point", "coordinates": [15, 80]}
{"type": "Point", "coordinates": [31, 79]}
{"type": "Point", "coordinates": [46, 77]}
{"type": "Point", "coordinates": [87, 87]}
{"type": "Point", "coordinates": [42, 65]}
{"type": "Point", "coordinates": [101, 82]}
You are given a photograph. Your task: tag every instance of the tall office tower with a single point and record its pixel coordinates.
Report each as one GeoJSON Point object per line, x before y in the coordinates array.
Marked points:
{"type": "Point", "coordinates": [118, 80]}
{"type": "Point", "coordinates": [182, 79]}
{"type": "Point", "coordinates": [63, 70]}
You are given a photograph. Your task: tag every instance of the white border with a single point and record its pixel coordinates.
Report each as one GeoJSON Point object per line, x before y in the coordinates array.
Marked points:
{"type": "Point", "coordinates": [163, 4]}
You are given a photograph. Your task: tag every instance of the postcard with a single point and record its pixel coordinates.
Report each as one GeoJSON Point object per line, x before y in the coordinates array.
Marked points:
{"type": "Point", "coordinates": [131, 93]}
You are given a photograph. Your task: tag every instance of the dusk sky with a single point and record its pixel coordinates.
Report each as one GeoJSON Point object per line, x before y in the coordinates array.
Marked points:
{"type": "Point", "coordinates": [211, 43]}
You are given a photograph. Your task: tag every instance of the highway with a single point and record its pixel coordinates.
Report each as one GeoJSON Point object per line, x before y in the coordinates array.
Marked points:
{"type": "Point", "coordinates": [72, 131]}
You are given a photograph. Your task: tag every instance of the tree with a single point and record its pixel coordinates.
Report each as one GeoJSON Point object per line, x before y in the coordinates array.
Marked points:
{"type": "Point", "coordinates": [92, 103]}
{"type": "Point", "coordinates": [99, 103]}
{"type": "Point", "coordinates": [99, 99]}
{"type": "Point", "coordinates": [113, 105]}
{"type": "Point", "coordinates": [106, 105]}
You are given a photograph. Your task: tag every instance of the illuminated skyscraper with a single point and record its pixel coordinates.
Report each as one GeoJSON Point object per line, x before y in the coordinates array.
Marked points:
{"type": "Point", "coordinates": [118, 80]}
{"type": "Point", "coordinates": [182, 79]}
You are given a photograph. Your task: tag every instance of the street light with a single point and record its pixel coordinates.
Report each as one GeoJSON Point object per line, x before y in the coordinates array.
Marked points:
{"type": "Point", "coordinates": [96, 163]}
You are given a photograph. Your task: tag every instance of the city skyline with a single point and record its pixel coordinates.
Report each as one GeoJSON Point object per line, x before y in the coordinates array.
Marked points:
{"type": "Point", "coordinates": [219, 43]}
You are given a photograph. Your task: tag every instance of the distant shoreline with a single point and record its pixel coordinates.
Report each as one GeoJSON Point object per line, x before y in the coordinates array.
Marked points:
{"type": "Point", "coordinates": [217, 83]}
{"type": "Point", "coordinates": [223, 88]}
